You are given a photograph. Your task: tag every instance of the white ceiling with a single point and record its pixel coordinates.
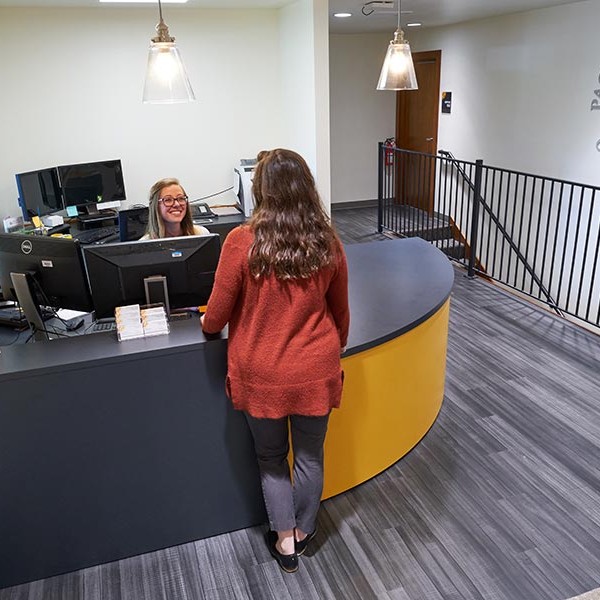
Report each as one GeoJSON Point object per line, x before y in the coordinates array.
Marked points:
{"type": "Point", "coordinates": [430, 13]}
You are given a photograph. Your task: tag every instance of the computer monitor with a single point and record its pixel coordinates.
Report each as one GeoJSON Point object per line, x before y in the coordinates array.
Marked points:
{"type": "Point", "coordinates": [133, 223]}
{"type": "Point", "coordinates": [39, 193]}
{"type": "Point", "coordinates": [120, 274]}
{"type": "Point", "coordinates": [39, 271]}
{"type": "Point", "coordinates": [94, 183]}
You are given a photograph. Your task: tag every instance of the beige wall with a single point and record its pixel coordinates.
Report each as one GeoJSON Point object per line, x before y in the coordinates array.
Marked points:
{"type": "Point", "coordinates": [305, 85]}
{"type": "Point", "coordinates": [72, 83]}
{"type": "Point", "coordinates": [360, 115]}
{"type": "Point", "coordinates": [522, 87]}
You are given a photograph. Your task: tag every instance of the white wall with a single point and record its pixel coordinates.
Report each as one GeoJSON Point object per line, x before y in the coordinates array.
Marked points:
{"type": "Point", "coordinates": [521, 85]}
{"type": "Point", "coordinates": [361, 117]}
{"type": "Point", "coordinates": [521, 90]}
{"type": "Point", "coordinates": [320, 27]}
{"type": "Point", "coordinates": [305, 86]}
{"type": "Point", "coordinates": [71, 92]}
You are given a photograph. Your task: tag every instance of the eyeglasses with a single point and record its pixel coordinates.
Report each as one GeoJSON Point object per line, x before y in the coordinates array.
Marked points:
{"type": "Point", "coordinates": [169, 201]}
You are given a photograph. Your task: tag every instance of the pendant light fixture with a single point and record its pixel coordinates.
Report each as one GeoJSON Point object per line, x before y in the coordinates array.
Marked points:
{"type": "Point", "coordinates": [166, 79]}
{"type": "Point", "coordinates": [398, 71]}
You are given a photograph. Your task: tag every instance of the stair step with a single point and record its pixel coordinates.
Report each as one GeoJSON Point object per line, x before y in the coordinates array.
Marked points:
{"type": "Point", "coordinates": [409, 221]}
{"type": "Point", "coordinates": [451, 248]}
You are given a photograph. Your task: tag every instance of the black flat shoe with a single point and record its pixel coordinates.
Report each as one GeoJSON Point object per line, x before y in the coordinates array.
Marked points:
{"type": "Point", "coordinates": [288, 562]}
{"type": "Point", "coordinates": [302, 545]}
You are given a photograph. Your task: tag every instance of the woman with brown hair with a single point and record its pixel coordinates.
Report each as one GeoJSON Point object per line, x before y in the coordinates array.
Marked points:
{"type": "Point", "coordinates": [168, 212]}
{"type": "Point", "coordinates": [282, 285]}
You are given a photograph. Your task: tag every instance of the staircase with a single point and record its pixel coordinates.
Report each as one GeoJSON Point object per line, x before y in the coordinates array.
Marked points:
{"type": "Point", "coordinates": [436, 228]}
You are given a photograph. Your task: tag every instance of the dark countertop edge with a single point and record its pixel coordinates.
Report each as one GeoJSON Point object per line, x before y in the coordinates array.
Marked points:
{"type": "Point", "coordinates": [396, 333]}
{"type": "Point", "coordinates": [90, 361]}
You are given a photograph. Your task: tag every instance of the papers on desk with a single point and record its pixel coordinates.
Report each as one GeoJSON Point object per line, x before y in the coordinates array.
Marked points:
{"type": "Point", "coordinates": [66, 314]}
{"type": "Point", "coordinates": [135, 322]}
{"type": "Point", "coordinates": [225, 211]}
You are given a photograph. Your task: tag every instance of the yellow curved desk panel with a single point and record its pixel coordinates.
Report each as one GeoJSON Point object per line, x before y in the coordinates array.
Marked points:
{"type": "Point", "coordinates": [392, 396]}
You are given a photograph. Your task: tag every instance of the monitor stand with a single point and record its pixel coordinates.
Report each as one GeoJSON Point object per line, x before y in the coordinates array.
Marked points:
{"type": "Point", "coordinates": [92, 214]}
{"type": "Point", "coordinates": [97, 216]}
{"type": "Point", "coordinates": [157, 292]}
{"type": "Point", "coordinates": [25, 292]}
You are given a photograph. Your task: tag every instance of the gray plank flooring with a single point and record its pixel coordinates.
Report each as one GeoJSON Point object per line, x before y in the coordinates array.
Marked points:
{"type": "Point", "coordinates": [500, 500]}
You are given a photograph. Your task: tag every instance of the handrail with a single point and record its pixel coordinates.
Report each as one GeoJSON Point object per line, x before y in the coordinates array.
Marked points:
{"type": "Point", "coordinates": [479, 197]}
{"type": "Point", "coordinates": [531, 229]}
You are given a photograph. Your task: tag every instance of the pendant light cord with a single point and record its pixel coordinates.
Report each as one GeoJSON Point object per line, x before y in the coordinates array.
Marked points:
{"type": "Point", "coordinates": [160, 10]}
{"type": "Point", "coordinates": [399, 11]}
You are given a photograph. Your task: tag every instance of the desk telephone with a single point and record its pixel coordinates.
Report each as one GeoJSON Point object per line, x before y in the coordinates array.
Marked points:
{"type": "Point", "coordinates": [201, 210]}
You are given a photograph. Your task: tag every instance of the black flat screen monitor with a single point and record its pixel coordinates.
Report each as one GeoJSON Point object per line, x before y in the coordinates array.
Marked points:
{"type": "Point", "coordinates": [92, 183]}
{"type": "Point", "coordinates": [117, 271]}
{"type": "Point", "coordinates": [39, 193]}
{"type": "Point", "coordinates": [55, 264]}
{"type": "Point", "coordinates": [133, 223]}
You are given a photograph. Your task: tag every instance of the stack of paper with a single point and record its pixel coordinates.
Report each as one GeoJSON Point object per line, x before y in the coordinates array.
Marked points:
{"type": "Point", "coordinates": [136, 322]}
{"type": "Point", "coordinates": [129, 322]}
{"type": "Point", "coordinates": [154, 321]}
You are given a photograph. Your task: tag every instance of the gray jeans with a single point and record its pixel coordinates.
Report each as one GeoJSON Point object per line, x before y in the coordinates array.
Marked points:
{"type": "Point", "coordinates": [290, 503]}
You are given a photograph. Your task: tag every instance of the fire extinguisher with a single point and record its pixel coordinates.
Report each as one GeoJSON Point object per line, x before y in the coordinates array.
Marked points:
{"type": "Point", "coordinates": [389, 146]}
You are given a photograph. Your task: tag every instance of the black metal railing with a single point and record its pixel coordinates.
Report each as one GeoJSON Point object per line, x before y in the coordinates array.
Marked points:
{"type": "Point", "coordinates": [537, 235]}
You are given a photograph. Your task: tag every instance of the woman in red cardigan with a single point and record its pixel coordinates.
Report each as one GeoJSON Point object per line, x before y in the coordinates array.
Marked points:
{"type": "Point", "coordinates": [282, 285]}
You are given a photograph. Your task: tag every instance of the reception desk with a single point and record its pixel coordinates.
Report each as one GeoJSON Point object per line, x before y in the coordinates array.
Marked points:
{"type": "Point", "coordinates": [112, 449]}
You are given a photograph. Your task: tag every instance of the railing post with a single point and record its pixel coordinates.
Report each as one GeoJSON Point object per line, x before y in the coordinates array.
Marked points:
{"type": "Point", "coordinates": [380, 163]}
{"type": "Point", "coordinates": [475, 218]}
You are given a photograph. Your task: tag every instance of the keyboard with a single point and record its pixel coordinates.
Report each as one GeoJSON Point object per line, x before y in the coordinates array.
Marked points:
{"type": "Point", "coordinates": [98, 235]}
{"type": "Point", "coordinates": [103, 326]}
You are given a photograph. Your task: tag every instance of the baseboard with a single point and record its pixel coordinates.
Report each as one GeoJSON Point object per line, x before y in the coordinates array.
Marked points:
{"type": "Point", "coordinates": [353, 204]}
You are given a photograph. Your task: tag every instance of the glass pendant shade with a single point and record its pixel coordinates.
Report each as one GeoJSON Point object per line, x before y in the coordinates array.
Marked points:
{"type": "Point", "coordinates": [398, 71]}
{"type": "Point", "coordinates": [166, 79]}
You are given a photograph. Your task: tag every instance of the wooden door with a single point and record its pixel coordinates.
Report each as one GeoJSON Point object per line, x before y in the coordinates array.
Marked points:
{"type": "Point", "coordinates": [417, 113]}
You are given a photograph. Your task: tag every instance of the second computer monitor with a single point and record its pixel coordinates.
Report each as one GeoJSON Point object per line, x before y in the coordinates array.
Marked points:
{"type": "Point", "coordinates": [92, 183]}
{"type": "Point", "coordinates": [55, 264]}
{"type": "Point", "coordinates": [117, 272]}
{"type": "Point", "coordinates": [39, 193]}
{"type": "Point", "coordinates": [40, 271]}
{"type": "Point", "coordinates": [133, 223]}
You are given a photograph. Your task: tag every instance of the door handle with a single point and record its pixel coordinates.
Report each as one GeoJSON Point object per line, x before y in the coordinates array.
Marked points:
{"type": "Point", "coordinates": [429, 139]}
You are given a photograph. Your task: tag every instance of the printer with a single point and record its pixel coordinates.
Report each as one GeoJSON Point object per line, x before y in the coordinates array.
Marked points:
{"type": "Point", "coordinates": [242, 185]}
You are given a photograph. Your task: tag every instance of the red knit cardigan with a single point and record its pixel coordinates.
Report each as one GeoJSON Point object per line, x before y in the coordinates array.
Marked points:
{"type": "Point", "coordinates": [285, 336]}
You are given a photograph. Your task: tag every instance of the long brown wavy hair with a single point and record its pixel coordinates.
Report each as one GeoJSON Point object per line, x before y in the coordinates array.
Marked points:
{"type": "Point", "coordinates": [156, 225]}
{"type": "Point", "coordinates": [293, 237]}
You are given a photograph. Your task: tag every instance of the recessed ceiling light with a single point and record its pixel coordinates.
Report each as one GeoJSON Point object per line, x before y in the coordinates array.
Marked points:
{"type": "Point", "coordinates": [342, 15]}
{"type": "Point", "coordinates": [142, 1]}
{"type": "Point", "coordinates": [413, 24]}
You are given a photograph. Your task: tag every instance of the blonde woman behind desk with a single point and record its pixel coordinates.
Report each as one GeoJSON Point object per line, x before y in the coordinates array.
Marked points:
{"type": "Point", "coordinates": [168, 212]}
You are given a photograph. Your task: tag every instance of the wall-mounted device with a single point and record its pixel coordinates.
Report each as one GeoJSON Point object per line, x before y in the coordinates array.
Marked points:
{"type": "Point", "coordinates": [242, 185]}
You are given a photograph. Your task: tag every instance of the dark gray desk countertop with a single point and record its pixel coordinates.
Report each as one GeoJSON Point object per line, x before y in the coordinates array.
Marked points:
{"type": "Point", "coordinates": [393, 286]}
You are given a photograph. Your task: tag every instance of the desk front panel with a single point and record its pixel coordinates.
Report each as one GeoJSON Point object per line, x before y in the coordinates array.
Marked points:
{"type": "Point", "coordinates": [101, 463]}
